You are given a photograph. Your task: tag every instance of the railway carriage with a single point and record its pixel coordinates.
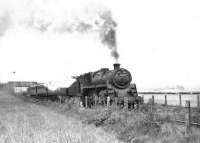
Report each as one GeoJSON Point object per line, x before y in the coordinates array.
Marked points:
{"type": "Point", "coordinates": [42, 92]}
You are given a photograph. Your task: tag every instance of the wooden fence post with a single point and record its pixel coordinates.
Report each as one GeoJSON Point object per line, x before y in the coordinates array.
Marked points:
{"type": "Point", "coordinates": [95, 100]}
{"type": "Point", "coordinates": [152, 103]}
{"type": "Point", "coordinates": [86, 102]}
{"type": "Point", "coordinates": [46, 91]}
{"type": "Point", "coordinates": [36, 90]}
{"type": "Point", "coordinates": [80, 102]}
{"type": "Point", "coordinates": [165, 100]}
{"type": "Point", "coordinates": [108, 101]}
{"type": "Point", "coordinates": [126, 102]}
{"type": "Point", "coordinates": [180, 101]}
{"type": "Point", "coordinates": [143, 98]}
{"type": "Point", "coordinates": [153, 100]}
{"type": "Point", "coordinates": [187, 118]}
{"type": "Point", "coordinates": [198, 102]}
{"type": "Point", "coordinates": [116, 100]}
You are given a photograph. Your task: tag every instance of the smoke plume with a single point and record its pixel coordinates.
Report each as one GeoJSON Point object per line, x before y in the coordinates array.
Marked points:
{"type": "Point", "coordinates": [91, 19]}
{"type": "Point", "coordinates": [99, 21]}
{"type": "Point", "coordinates": [4, 23]}
{"type": "Point", "coordinates": [108, 33]}
{"type": "Point", "coordinates": [54, 35]}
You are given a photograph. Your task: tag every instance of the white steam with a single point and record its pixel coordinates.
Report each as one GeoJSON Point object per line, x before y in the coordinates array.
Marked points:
{"type": "Point", "coordinates": [38, 37]}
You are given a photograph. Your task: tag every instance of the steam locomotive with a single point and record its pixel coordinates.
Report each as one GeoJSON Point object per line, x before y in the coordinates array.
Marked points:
{"type": "Point", "coordinates": [95, 88]}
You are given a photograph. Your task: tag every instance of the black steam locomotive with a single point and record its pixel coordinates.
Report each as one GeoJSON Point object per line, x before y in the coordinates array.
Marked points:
{"type": "Point", "coordinates": [95, 88]}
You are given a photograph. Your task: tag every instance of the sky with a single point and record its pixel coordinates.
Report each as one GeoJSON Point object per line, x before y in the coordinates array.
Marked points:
{"type": "Point", "coordinates": [44, 40]}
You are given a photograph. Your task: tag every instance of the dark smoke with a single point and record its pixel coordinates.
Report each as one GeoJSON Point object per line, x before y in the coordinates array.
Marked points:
{"type": "Point", "coordinates": [108, 33]}
{"type": "Point", "coordinates": [101, 22]}
{"type": "Point", "coordinates": [109, 37]}
{"type": "Point", "coordinates": [115, 54]}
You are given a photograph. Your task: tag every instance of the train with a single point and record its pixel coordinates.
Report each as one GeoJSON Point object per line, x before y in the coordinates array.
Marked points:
{"type": "Point", "coordinates": [96, 88]}
{"type": "Point", "coordinates": [44, 93]}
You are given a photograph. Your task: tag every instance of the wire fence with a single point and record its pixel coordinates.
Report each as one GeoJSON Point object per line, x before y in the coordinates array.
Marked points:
{"type": "Point", "coordinates": [180, 113]}
{"type": "Point", "coordinates": [172, 98]}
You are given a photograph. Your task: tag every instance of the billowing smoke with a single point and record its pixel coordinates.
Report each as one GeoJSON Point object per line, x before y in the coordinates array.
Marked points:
{"type": "Point", "coordinates": [108, 33]}
{"type": "Point", "coordinates": [54, 33]}
{"type": "Point", "coordinates": [4, 23]}
{"type": "Point", "coordinates": [97, 21]}
{"type": "Point", "coordinates": [60, 19]}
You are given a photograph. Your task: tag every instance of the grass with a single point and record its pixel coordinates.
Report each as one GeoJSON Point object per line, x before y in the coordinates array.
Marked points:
{"type": "Point", "coordinates": [67, 123]}
{"type": "Point", "coordinates": [138, 126]}
{"type": "Point", "coordinates": [24, 122]}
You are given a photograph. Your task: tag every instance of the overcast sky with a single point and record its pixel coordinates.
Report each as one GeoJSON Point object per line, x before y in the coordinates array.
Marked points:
{"type": "Point", "coordinates": [158, 41]}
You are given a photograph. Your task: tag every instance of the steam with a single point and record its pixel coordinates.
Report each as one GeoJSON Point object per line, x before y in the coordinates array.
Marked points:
{"type": "Point", "coordinates": [4, 23]}
{"type": "Point", "coordinates": [108, 33]}
{"type": "Point", "coordinates": [91, 20]}
{"type": "Point", "coordinates": [30, 29]}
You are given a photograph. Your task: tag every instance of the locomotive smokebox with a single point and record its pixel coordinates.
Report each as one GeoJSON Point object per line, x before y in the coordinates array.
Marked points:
{"type": "Point", "coordinates": [116, 66]}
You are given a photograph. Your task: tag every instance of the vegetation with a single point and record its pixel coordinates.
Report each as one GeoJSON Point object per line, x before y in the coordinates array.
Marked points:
{"type": "Point", "coordinates": [54, 122]}
{"type": "Point", "coordinates": [25, 122]}
{"type": "Point", "coordinates": [146, 125]}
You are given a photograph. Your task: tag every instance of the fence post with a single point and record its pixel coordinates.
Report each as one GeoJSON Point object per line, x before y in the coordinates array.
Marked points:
{"type": "Point", "coordinates": [86, 102]}
{"type": "Point", "coordinates": [95, 100]}
{"type": "Point", "coordinates": [108, 101]}
{"type": "Point", "coordinates": [153, 100]}
{"type": "Point", "coordinates": [165, 100]}
{"type": "Point", "coordinates": [143, 98]}
{"type": "Point", "coordinates": [46, 91]}
{"type": "Point", "coordinates": [187, 118]}
{"type": "Point", "coordinates": [125, 102]}
{"type": "Point", "coordinates": [180, 101]}
{"type": "Point", "coordinates": [80, 102]}
{"type": "Point", "coordinates": [116, 100]}
{"type": "Point", "coordinates": [36, 90]}
{"type": "Point", "coordinates": [198, 102]}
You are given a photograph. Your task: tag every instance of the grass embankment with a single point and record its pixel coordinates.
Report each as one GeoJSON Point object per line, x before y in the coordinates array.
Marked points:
{"type": "Point", "coordinates": [54, 122]}
{"type": "Point", "coordinates": [25, 122]}
{"type": "Point", "coordinates": [143, 126]}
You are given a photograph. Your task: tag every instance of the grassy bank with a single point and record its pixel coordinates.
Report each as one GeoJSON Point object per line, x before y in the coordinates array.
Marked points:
{"type": "Point", "coordinates": [24, 122]}
{"type": "Point", "coordinates": [147, 125]}
{"type": "Point", "coordinates": [138, 126]}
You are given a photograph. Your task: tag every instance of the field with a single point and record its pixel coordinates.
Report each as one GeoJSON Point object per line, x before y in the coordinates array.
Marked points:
{"type": "Point", "coordinates": [24, 120]}
{"type": "Point", "coordinates": [145, 125]}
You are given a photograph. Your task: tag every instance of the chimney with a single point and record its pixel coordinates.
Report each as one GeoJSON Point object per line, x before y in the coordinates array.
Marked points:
{"type": "Point", "coordinates": [116, 66]}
